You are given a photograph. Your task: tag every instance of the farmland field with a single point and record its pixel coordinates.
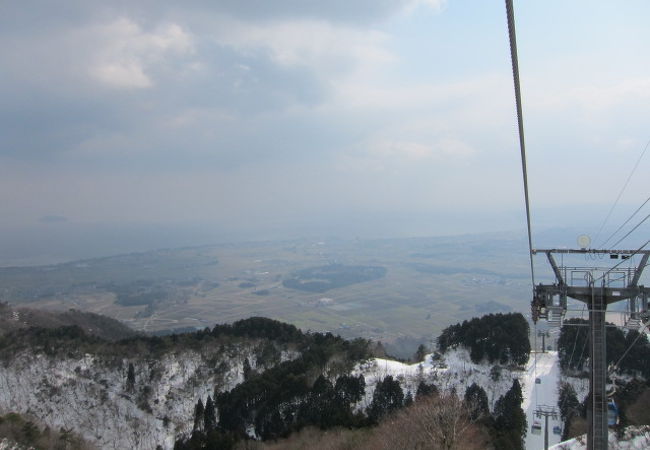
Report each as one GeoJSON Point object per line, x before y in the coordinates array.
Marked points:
{"type": "Point", "coordinates": [381, 289]}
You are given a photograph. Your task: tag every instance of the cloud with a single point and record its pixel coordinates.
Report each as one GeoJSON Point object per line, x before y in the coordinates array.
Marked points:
{"type": "Point", "coordinates": [126, 52]}
{"type": "Point", "coordinates": [445, 148]}
{"type": "Point", "coordinates": [335, 11]}
{"type": "Point", "coordinates": [147, 83]}
{"type": "Point", "coordinates": [315, 44]}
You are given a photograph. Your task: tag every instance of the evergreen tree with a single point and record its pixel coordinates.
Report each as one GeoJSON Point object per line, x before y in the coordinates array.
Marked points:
{"type": "Point", "coordinates": [510, 426]}
{"type": "Point", "coordinates": [420, 353]}
{"type": "Point", "coordinates": [321, 406]}
{"type": "Point", "coordinates": [198, 416]}
{"type": "Point", "coordinates": [387, 398]}
{"type": "Point", "coordinates": [495, 337]}
{"type": "Point", "coordinates": [350, 389]}
{"type": "Point", "coordinates": [425, 390]}
{"type": "Point", "coordinates": [569, 407]}
{"type": "Point", "coordinates": [477, 402]}
{"type": "Point", "coordinates": [568, 401]}
{"type": "Point", "coordinates": [209, 416]}
{"type": "Point", "coordinates": [638, 356]}
{"type": "Point", "coordinates": [247, 369]}
{"type": "Point", "coordinates": [130, 378]}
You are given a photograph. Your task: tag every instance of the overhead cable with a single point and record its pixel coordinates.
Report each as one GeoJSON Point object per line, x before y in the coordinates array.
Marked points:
{"type": "Point", "coordinates": [641, 333]}
{"type": "Point", "coordinates": [625, 260]}
{"type": "Point", "coordinates": [625, 223]}
{"type": "Point", "coordinates": [520, 123]}
{"type": "Point", "coordinates": [630, 232]}
{"type": "Point", "coordinates": [602, 225]}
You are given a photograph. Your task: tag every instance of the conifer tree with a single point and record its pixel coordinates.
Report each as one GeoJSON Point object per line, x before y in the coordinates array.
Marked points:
{"type": "Point", "coordinates": [130, 378]}
{"type": "Point", "coordinates": [477, 402]}
{"type": "Point", "coordinates": [420, 353]}
{"type": "Point", "coordinates": [209, 416]}
{"type": "Point", "coordinates": [199, 412]}
{"type": "Point", "coordinates": [569, 407]}
{"type": "Point", "coordinates": [350, 389]}
{"type": "Point", "coordinates": [387, 398]}
{"type": "Point", "coordinates": [425, 390]}
{"type": "Point", "coordinates": [510, 426]}
{"type": "Point", "coordinates": [247, 369]}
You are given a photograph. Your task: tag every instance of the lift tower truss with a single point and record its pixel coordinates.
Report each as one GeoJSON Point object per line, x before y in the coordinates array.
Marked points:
{"type": "Point", "coordinates": [597, 287]}
{"type": "Point", "coordinates": [546, 412]}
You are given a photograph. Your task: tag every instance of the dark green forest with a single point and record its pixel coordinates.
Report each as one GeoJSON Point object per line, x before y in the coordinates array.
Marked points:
{"type": "Point", "coordinates": [573, 349]}
{"type": "Point", "coordinates": [501, 338]}
{"type": "Point", "coordinates": [310, 392]}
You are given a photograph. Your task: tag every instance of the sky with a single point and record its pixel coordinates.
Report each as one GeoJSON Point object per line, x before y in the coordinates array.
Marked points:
{"type": "Point", "coordinates": [202, 121]}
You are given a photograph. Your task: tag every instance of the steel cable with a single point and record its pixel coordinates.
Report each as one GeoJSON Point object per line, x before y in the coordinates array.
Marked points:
{"type": "Point", "coordinates": [630, 232]}
{"type": "Point", "coordinates": [520, 123]}
{"type": "Point", "coordinates": [620, 194]}
{"type": "Point", "coordinates": [624, 223]}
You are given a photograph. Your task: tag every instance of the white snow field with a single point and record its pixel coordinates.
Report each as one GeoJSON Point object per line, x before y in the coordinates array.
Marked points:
{"type": "Point", "coordinates": [456, 371]}
{"type": "Point", "coordinates": [634, 438]}
{"type": "Point", "coordinates": [547, 370]}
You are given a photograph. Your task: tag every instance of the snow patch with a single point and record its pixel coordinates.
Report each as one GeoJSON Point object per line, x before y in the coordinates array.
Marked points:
{"type": "Point", "coordinates": [90, 394]}
{"type": "Point", "coordinates": [452, 371]}
{"type": "Point", "coordinates": [633, 438]}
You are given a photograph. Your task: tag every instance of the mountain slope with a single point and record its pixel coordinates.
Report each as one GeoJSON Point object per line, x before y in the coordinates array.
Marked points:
{"type": "Point", "coordinates": [136, 393]}
{"type": "Point", "coordinates": [12, 319]}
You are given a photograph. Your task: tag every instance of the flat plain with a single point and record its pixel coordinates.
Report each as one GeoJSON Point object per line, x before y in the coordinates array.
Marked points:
{"type": "Point", "coordinates": [381, 289]}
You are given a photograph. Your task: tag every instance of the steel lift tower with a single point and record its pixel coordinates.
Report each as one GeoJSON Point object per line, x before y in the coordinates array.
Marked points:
{"type": "Point", "coordinates": [597, 287]}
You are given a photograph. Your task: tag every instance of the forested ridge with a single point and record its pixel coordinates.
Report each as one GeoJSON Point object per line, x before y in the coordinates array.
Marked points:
{"type": "Point", "coordinates": [317, 390]}
{"type": "Point", "coordinates": [294, 381]}
{"type": "Point", "coordinates": [501, 338]}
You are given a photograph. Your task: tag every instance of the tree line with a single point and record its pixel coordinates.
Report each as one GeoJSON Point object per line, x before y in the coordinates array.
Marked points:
{"type": "Point", "coordinates": [429, 420]}
{"type": "Point", "coordinates": [309, 392]}
{"type": "Point", "coordinates": [573, 348]}
{"type": "Point", "coordinates": [501, 338]}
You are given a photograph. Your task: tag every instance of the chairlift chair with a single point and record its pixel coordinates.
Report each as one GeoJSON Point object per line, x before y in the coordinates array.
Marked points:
{"type": "Point", "coordinates": [612, 413]}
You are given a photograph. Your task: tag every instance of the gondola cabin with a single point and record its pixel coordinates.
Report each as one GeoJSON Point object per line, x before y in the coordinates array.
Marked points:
{"type": "Point", "coordinates": [536, 428]}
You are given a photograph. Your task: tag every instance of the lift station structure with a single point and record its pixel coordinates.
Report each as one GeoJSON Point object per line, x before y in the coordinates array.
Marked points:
{"type": "Point", "coordinates": [597, 287]}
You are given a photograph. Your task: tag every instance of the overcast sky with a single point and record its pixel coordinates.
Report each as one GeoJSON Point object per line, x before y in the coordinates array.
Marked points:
{"type": "Point", "coordinates": [259, 114]}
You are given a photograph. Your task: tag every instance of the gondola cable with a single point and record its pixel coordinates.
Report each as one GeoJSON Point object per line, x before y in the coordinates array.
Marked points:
{"type": "Point", "coordinates": [602, 225]}
{"type": "Point", "coordinates": [522, 147]}
{"type": "Point", "coordinates": [625, 223]}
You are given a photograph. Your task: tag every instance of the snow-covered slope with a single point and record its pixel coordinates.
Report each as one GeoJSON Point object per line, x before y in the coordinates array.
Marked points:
{"type": "Point", "coordinates": [633, 438]}
{"type": "Point", "coordinates": [546, 367]}
{"type": "Point", "coordinates": [90, 394]}
{"type": "Point", "coordinates": [6, 444]}
{"type": "Point", "coordinates": [454, 370]}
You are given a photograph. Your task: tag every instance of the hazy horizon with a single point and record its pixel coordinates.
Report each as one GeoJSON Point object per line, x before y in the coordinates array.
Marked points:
{"type": "Point", "coordinates": [136, 125]}
{"type": "Point", "coordinates": [56, 240]}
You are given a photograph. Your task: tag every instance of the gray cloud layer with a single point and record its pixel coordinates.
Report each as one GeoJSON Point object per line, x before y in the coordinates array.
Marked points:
{"type": "Point", "coordinates": [260, 113]}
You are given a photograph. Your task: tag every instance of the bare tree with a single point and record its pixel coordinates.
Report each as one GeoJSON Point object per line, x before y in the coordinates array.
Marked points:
{"type": "Point", "coordinates": [437, 422]}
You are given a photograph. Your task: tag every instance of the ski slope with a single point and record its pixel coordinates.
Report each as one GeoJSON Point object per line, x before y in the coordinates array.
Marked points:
{"type": "Point", "coordinates": [459, 372]}
{"type": "Point", "coordinates": [547, 370]}
{"type": "Point", "coordinates": [633, 438]}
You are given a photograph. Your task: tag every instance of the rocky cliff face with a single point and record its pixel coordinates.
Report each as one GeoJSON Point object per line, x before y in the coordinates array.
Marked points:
{"type": "Point", "coordinates": [95, 395]}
